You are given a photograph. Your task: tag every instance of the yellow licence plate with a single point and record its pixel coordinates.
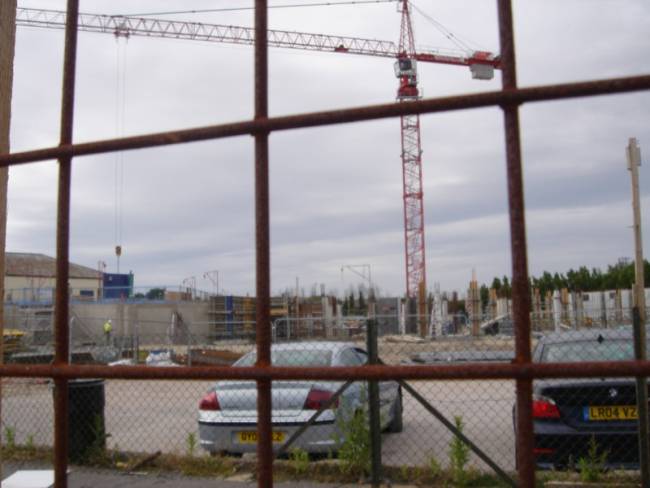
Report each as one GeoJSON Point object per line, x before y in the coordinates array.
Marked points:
{"type": "Point", "coordinates": [250, 437]}
{"type": "Point", "coordinates": [611, 412]}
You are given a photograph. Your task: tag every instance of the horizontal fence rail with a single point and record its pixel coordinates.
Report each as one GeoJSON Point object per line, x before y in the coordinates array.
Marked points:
{"type": "Point", "coordinates": [335, 117]}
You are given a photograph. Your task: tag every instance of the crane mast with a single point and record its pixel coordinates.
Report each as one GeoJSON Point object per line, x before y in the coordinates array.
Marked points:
{"type": "Point", "coordinates": [406, 72]}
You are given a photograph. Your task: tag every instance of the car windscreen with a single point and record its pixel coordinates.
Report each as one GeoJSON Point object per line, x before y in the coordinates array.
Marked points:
{"type": "Point", "coordinates": [292, 357]}
{"type": "Point", "coordinates": [593, 350]}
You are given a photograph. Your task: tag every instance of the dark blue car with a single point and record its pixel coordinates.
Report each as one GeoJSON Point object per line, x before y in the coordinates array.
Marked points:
{"type": "Point", "coordinates": [570, 414]}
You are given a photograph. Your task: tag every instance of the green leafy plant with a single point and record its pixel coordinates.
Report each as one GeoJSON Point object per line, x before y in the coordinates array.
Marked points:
{"type": "Point", "coordinates": [10, 439]}
{"type": "Point", "coordinates": [592, 467]}
{"type": "Point", "coordinates": [29, 444]}
{"type": "Point", "coordinates": [299, 459]}
{"type": "Point", "coordinates": [458, 456]}
{"type": "Point", "coordinates": [434, 467]}
{"type": "Point", "coordinates": [190, 442]}
{"type": "Point", "coordinates": [354, 442]}
{"type": "Point", "coordinates": [404, 472]}
{"type": "Point", "coordinates": [96, 451]}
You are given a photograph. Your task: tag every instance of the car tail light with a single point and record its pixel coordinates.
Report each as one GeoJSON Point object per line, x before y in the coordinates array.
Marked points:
{"type": "Point", "coordinates": [317, 399]}
{"type": "Point", "coordinates": [545, 408]}
{"type": "Point", "coordinates": [540, 451]}
{"type": "Point", "coordinates": [210, 402]}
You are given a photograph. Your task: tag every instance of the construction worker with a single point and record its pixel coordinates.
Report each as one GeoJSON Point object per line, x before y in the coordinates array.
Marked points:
{"type": "Point", "coordinates": [108, 328]}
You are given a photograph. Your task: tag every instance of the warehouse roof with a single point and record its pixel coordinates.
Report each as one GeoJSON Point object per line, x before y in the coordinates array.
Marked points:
{"type": "Point", "coordinates": [33, 264]}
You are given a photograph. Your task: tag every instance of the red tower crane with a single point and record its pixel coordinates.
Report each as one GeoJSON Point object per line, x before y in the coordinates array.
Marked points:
{"type": "Point", "coordinates": [406, 72]}
{"type": "Point", "coordinates": [481, 64]}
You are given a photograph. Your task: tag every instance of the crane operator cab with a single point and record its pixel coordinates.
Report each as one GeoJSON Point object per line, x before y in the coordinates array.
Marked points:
{"type": "Point", "coordinates": [406, 71]}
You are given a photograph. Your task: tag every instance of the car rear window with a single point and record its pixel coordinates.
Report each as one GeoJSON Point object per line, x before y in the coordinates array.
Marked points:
{"type": "Point", "coordinates": [292, 357]}
{"type": "Point", "coordinates": [593, 350]}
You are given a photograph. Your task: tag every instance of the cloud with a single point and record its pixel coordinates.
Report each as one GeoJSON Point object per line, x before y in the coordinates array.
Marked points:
{"type": "Point", "coordinates": [336, 192]}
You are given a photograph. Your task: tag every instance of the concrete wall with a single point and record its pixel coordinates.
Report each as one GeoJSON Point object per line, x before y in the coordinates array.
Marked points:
{"type": "Point", "coordinates": [30, 289]}
{"type": "Point", "coordinates": [147, 319]}
{"type": "Point", "coordinates": [150, 318]}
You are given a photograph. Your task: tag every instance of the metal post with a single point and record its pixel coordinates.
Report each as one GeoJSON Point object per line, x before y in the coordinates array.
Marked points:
{"type": "Point", "coordinates": [7, 44]}
{"type": "Point", "coordinates": [520, 285]}
{"type": "Point", "coordinates": [262, 251]}
{"type": "Point", "coordinates": [373, 405]}
{"type": "Point", "coordinates": [641, 399]}
{"type": "Point", "coordinates": [61, 310]}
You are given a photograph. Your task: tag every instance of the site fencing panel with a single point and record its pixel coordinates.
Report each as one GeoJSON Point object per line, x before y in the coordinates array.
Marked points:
{"type": "Point", "coordinates": [177, 418]}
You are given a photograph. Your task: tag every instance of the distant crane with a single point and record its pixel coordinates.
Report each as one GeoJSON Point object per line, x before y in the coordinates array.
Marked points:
{"type": "Point", "coordinates": [481, 64]}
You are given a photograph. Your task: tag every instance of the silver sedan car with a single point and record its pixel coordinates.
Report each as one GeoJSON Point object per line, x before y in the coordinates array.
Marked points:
{"type": "Point", "coordinates": [228, 412]}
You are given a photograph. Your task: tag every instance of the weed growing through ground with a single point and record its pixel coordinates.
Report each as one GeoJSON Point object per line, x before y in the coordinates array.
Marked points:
{"type": "Point", "coordinates": [190, 443]}
{"type": "Point", "coordinates": [458, 456]}
{"type": "Point", "coordinates": [354, 450]}
{"type": "Point", "coordinates": [96, 452]}
{"type": "Point", "coordinates": [434, 467]}
{"type": "Point", "coordinates": [592, 467]}
{"type": "Point", "coordinates": [29, 444]}
{"type": "Point", "coordinates": [299, 460]}
{"type": "Point", "coordinates": [10, 439]}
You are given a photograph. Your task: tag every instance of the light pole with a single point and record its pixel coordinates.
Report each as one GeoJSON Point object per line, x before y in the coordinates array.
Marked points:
{"type": "Point", "coordinates": [213, 276]}
{"type": "Point", "coordinates": [362, 270]}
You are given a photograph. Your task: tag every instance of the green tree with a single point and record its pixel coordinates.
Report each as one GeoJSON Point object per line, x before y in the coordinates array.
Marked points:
{"type": "Point", "coordinates": [506, 289]}
{"type": "Point", "coordinates": [362, 303]}
{"type": "Point", "coordinates": [351, 309]}
{"type": "Point", "coordinates": [496, 284]}
{"type": "Point", "coordinates": [484, 293]}
{"type": "Point", "coordinates": [156, 294]}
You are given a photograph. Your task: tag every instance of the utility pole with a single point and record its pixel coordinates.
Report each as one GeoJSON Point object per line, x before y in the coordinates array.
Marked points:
{"type": "Point", "coordinates": [633, 154]}
{"type": "Point", "coordinates": [7, 45]}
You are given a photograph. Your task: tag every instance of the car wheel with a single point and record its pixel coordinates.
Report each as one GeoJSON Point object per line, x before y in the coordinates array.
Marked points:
{"type": "Point", "coordinates": [396, 424]}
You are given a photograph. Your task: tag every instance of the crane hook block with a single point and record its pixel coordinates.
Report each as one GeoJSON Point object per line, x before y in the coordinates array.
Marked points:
{"type": "Point", "coordinates": [118, 251]}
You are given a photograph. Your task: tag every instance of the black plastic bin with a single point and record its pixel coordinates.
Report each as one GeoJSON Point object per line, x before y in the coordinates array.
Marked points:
{"type": "Point", "coordinates": [87, 434]}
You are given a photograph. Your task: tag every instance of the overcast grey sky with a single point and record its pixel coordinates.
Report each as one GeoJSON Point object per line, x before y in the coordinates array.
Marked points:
{"type": "Point", "coordinates": [336, 192]}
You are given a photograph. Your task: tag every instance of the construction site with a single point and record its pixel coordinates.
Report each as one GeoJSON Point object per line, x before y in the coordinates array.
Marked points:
{"type": "Point", "coordinates": [192, 162]}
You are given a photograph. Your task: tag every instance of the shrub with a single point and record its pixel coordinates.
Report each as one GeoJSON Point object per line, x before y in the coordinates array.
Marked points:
{"type": "Point", "coordinates": [592, 467]}
{"type": "Point", "coordinates": [458, 456]}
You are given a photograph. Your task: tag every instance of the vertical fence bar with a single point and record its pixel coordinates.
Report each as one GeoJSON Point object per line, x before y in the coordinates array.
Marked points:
{"type": "Point", "coordinates": [263, 281]}
{"type": "Point", "coordinates": [638, 325]}
{"type": "Point", "coordinates": [373, 404]}
{"type": "Point", "coordinates": [520, 286]}
{"type": "Point", "coordinates": [7, 45]}
{"type": "Point", "coordinates": [61, 332]}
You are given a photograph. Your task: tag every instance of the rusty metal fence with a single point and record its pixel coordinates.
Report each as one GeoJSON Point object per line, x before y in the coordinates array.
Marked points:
{"type": "Point", "coordinates": [420, 421]}
{"type": "Point", "coordinates": [514, 377]}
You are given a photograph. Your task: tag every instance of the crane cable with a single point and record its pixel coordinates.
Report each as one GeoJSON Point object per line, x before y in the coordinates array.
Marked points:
{"type": "Point", "coordinates": [459, 42]}
{"type": "Point", "coordinates": [234, 9]}
{"type": "Point", "coordinates": [120, 122]}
